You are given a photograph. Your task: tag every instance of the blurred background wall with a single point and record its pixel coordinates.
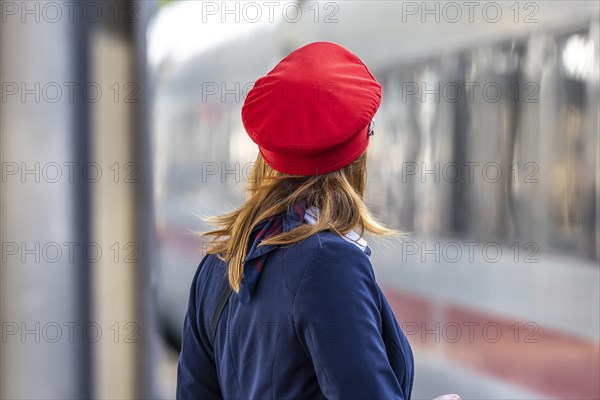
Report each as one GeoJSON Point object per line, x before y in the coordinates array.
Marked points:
{"type": "Point", "coordinates": [76, 201]}
{"type": "Point", "coordinates": [120, 124]}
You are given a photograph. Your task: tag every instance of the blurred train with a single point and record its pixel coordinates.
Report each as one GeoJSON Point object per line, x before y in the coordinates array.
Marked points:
{"type": "Point", "coordinates": [485, 153]}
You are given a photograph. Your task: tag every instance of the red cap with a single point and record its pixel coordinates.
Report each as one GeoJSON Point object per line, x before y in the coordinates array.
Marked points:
{"type": "Point", "coordinates": [311, 114]}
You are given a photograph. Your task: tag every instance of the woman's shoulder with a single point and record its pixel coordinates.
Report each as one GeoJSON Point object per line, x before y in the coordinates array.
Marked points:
{"type": "Point", "coordinates": [326, 255]}
{"type": "Point", "coordinates": [210, 272]}
{"type": "Point", "coordinates": [330, 240]}
{"type": "Point", "coordinates": [331, 244]}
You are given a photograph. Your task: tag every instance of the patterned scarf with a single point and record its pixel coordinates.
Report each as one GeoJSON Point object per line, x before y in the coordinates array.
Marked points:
{"type": "Point", "coordinates": [257, 255]}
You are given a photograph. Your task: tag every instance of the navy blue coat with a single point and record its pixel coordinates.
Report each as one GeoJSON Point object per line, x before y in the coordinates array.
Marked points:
{"type": "Point", "coordinates": [317, 326]}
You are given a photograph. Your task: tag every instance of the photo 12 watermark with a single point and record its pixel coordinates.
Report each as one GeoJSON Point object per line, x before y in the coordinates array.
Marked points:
{"type": "Point", "coordinates": [289, 92]}
{"type": "Point", "coordinates": [69, 92]}
{"type": "Point", "coordinates": [54, 12]}
{"type": "Point", "coordinates": [277, 331]}
{"type": "Point", "coordinates": [53, 252]}
{"type": "Point", "coordinates": [470, 332]}
{"type": "Point", "coordinates": [472, 12]}
{"type": "Point", "coordinates": [270, 11]}
{"type": "Point", "coordinates": [68, 172]}
{"type": "Point", "coordinates": [469, 172]}
{"type": "Point", "coordinates": [470, 92]}
{"type": "Point", "coordinates": [468, 252]}
{"type": "Point", "coordinates": [68, 332]}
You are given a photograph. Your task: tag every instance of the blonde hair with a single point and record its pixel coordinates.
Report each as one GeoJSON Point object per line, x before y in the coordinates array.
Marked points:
{"type": "Point", "coordinates": [338, 195]}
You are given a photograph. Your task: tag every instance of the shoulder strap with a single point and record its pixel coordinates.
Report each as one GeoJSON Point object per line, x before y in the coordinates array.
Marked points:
{"type": "Point", "coordinates": [223, 297]}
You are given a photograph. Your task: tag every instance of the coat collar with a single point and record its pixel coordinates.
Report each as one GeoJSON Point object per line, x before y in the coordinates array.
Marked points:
{"type": "Point", "coordinates": [311, 216]}
{"type": "Point", "coordinates": [291, 221]}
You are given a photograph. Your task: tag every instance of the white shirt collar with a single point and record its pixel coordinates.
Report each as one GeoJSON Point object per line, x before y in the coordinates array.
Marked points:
{"type": "Point", "coordinates": [311, 215]}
